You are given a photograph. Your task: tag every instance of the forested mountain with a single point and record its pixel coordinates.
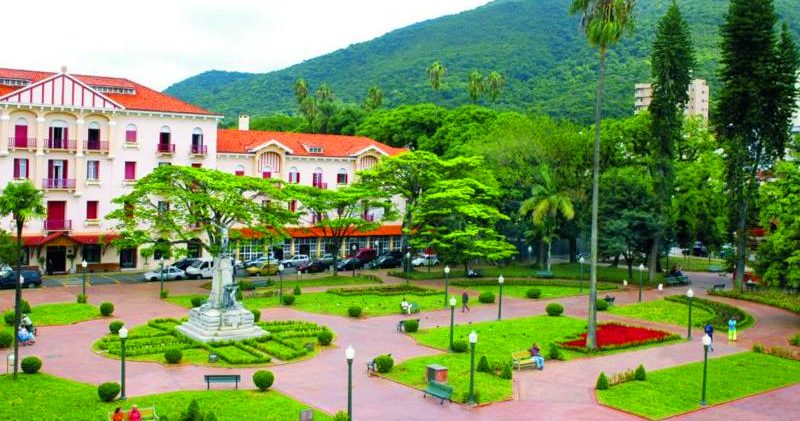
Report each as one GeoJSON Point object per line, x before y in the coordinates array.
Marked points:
{"type": "Point", "coordinates": [537, 46]}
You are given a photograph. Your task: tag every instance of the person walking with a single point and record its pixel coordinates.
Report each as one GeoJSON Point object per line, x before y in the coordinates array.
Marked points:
{"type": "Point", "coordinates": [732, 329]}
{"type": "Point", "coordinates": [709, 330]}
{"type": "Point", "coordinates": [464, 301]}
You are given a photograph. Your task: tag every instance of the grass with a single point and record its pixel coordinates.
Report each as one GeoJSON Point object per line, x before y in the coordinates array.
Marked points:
{"type": "Point", "coordinates": [677, 390]}
{"type": "Point", "coordinates": [63, 314]}
{"type": "Point", "coordinates": [772, 297]}
{"type": "Point", "coordinates": [551, 288]}
{"type": "Point", "coordinates": [290, 281]}
{"type": "Point", "coordinates": [663, 311]}
{"type": "Point", "coordinates": [46, 397]}
{"type": "Point", "coordinates": [692, 263]}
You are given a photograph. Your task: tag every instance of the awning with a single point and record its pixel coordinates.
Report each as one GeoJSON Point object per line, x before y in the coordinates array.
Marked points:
{"type": "Point", "coordinates": [81, 239]}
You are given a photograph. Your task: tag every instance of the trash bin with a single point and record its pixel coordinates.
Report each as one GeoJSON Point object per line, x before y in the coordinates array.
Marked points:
{"type": "Point", "coordinates": [437, 373]}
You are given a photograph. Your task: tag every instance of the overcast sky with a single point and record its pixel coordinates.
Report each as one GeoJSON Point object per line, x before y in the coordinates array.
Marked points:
{"type": "Point", "coordinates": [158, 43]}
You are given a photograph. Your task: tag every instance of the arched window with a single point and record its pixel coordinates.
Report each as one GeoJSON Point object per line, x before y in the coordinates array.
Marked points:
{"type": "Point", "coordinates": [270, 159]}
{"type": "Point", "coordinates": [197, 136]}
{"type": "Point", "coordinates": [316, 179]}
{"type": "Point", "coordinates": [239, 170]}
{"type": "Point", "coordinates": [294, 175]}
{"type": "Point", "coordinates": [130, 133]}
{"type": "Point", "coordinates": [93, 136]}
{"type": "Point", "coordinates": [58, 135]}
{"type": "Point", "coordinates": [341, 176]}
{"type": "Point", "coordinates": [21, 134]}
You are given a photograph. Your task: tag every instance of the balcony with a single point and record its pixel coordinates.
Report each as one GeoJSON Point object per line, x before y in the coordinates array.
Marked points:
{"type": "Point", "coordinates": [95, 146]}
{"type": "Point", "coordinates": [165, 148]}
{"type": "Point", "coordinates": [58, 225]}
{"type": "Point", "coordinates": [323, 186]}
{"type": "Point", "coordinates": [199, 150]}
{"type": "Point", "coordinates": [16, 143]}
{"type": "Point", "coordinates": [58, 183]}
{"type": "Point", "coordinates": [66, 145]}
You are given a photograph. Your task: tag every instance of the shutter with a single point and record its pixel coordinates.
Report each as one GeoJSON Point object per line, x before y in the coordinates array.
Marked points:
{"type": "Point", "coordinates": [345, 179]}
{"type": "Point", "coordinates": [50, 169]}
{"type": "Point", "coordinates": [16, 168]}
{"type": "Point", "coordinates": [27, 168]}
{"type": "Point", "coordinates": [64, 176]}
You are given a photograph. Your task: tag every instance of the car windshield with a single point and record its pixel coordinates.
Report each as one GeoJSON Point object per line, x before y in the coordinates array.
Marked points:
{"type": "Point", "coordinates": [196, 264]}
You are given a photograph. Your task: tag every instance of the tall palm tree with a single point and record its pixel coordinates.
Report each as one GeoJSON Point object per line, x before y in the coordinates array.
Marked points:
{"type": "Point", "coordinates": [23, 202]}
{"type": "Point", "coordinates": [436, 73]}
{"type": "Point", "coordinates": [374, 99]}
{"type": "Point", "coordinates": [300, 90]}
{"type": "Point", "coordinates": [545, 205]}
{"type": "Point", "coordinates": [475, 86]}
{"type": "Point", "coordinates": [495, 82]}
{"type": "Point", "coordinates": [604, 22]}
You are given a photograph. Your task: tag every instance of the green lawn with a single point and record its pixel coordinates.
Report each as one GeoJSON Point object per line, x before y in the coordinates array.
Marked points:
{"type": "Point", "coordinates": [691, 263]}
{"type": "Point", "coordinates": [560, 270]}
{"type": "Point", "coordinates": [520, 291]}
{"type": "Point", "coordinates": [663, 311]}
{"type": "Point", "coordinates": [770, 297]}
{"type": "Point", "coordinates": [290, 281]}
{"type": "Point", "coordinates": [676, 390]}
{"type": "Point", "coordinates": [45, 397]}
{"type": "Point", "coordinates": [63, 314]}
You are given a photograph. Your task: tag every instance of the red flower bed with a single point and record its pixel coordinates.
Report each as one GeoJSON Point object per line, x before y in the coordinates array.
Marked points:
{"type": "Point", "coordinates": [613, 336]}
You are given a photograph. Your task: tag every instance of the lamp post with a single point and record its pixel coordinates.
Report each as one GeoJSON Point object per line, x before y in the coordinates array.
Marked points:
{"type": "Point", "coordinates": [473, 339]}
{"type": "Point", "coordinates": [123, 336]}
{"type": "Point", "coordinates": [706, 345]}
{"type": "Point", "coordinates": [350, 353]}
{"type": "Point", "coordinates": [408, 265]}
{"type": "Point", "coordinates": [452, 316]}
{"type": "Point", "coordinates": [641, 280]}
{"type": "Point", "coordinates": [280, 282]}
{"type": "Point", "coordinates": [84, 265]}
{"type": "Point", "coordinates": [446, 275]}
{"type": "Point", "coordinates": [690, 295]}
{"type": "Point", "coordinates": [501, 281]}
{"type": "Point", "coordinates": [530, 260]}
{"type": "Point", "coordinates": [580, 280]}
{"type": "Point", "coordinates": [161, 294]}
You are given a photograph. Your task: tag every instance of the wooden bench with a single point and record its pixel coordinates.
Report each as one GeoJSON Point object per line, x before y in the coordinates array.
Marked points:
{"type": "Point", "coordinates": [222, 378]}
{"type": "Point", "coordinates": [371, 365]}
{"type": "Point", "coordinates": [718, 287]}
{"type": "Point", "coordinates": [102, 267]}
{"type": "Point", "coordinates": [610, 299]}
{"type": "Point", "coordinates": [715, 269]}
{"type": "Point", "coordinates": [677, 280]}
{"type": "Point", "coordinates": [521, 359]}
{"type": "Point", "coordinates": [401, 325]}
{"type": "Point", "coordinates": [414, 309]}
{"type": "Point", "coordinates": [147, 413]}
{"type": "Point", "coordinates": [439, 390]}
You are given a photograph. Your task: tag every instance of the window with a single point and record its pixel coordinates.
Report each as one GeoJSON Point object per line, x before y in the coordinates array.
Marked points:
{"type": "Point", "coordinates": [20, 168]}
{"type": "Point", "coordinates": [315, 149]}
{"type": "Point", "coordinates": [197, 165]}
{"type": "Point", "coordinates": [92, 170]}
{"type": "Point", "coordinates": [197, 137]}
{"type": "Point", "coordinates": [341, 177]}
{"type": "Point", "coordinates": [266, 171]}
{"type": "Point", "coordinates": [294, 175]}
{"type": "Point", "coordinates": [316, 180]}
{"type": "Point", "coordinates": [293, 206]}
{"type": "Point", "coordinates": [93, 136]}
{"type": "Point", "coordinates": [21, 134]}
{"type": "Point", "coordinates": [239, 170]}
{"type": "Point", "coordinates": [130, 133]}
{"type": "Point", "coordinates": [91, 253]}
{"type": "Point", "coordinates": [91, 209]}
{"type": "Point", "coordinates": [164, 136]}
{"type": "Point", "coordinates": [127, 258]}
{"type": "Point", "coordinates": [161, 164]}
{"type": "Point", "coordinates": [58, 135]}
{"type": "Point", "coordinates": [130, 170]}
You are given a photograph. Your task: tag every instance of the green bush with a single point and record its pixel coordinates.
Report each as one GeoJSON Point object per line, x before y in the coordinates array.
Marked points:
{"type": "Point", "coordinates": [81, 299]}
{"type": "Point", "coordinates": [554, 352]}
{"type": "Point", "coordinates": [325, 337]}
{"type": "Point", "coordinates": [722, 312]}
{"type": "Point", "coordinates": [506, 374]}
{"type": "Point", "coordinates": [384, 363]}
{"type": "Point", "coordinates": [464, 398]}
{"type": "Point", "coordinates": [192, 412]}
{"type": "Point", "coordinates": [106, 309]}
{"type": "Point", "coordinates": [198, 301]}
{"type": "Point", "coordinates": [6, 339]}
{"type": "Point", "coordinates": [411, 326]}
{"type": "Point", "coordinates": [173, 356]}
{"type": "Point", "coordinates": [296, 290]}
{"type": "Point", "coordinates": [534, 293]}
{"type": "Point", "coordinates": [263, 379]}
{"type": "Point", "coordinates": [354, 311]}
{"type": "Point", "coordinates": [115, 326]}
{"type": "Point", "coordinates": [31, 364]}
{"type": "Point", "coordinates": [210, 416]}
{"type": "Point", "coordinates": [341, 416]}
{"type": "Point", "coordinates": [758, 348]}
{"type": "Point", "coordinates": [108, 391]}
{"type": "Point", "coordinates": [399, 289]}
{"type": "Point", "coordinates": [554, 309]}
{"type": "Point", "coordinates": [288, 300]}
{"type": "Point", "coordinates": [164, 294]}
{"type": "Point", "coordinates": [602, 382]}
{"type": "Point", "coordinates": [483, 364]}
{"type": "Point", "coordinates": [640, 374]}
{"type": "Point", "coordinates": [795, 340]}
{"type": "Point", "coordinates": [9, 317]}
{"type": "Point", "coordinates": [602, 305]}
{"type": "Point", "coordinates": [256, 314]}
{"type": "Point", "coordinates": [486, 297]}
{"type": "Point", "coordinates": [26, 307]}
{"type": "Point", "coordinates": [459, 345]}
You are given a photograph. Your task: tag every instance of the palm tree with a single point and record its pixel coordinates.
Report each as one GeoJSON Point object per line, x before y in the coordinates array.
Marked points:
{"type": "Point", "coordinates": [436, 74]}
{"type": "Point", "coordinates": [300, 90]}
{"type": "Point", "coordinates": [374, 99]}
{"type": "Point", "coordinates": [23, 202]}
{"type": "Point", "coordinates": [475, 86]}
{"type": "Point", "coordinates": [604, 22]}
{"type": "Point", "coordinates": [546, 204]}
{"type": "Point", "coordinates": [494, 84]}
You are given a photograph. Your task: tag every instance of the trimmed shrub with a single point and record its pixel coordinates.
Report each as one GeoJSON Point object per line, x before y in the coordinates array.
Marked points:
{"type": "Point", "coordinates": [26, 307]}
{"type": "Point", "coordinates": [263, 379]}
{"type": "Point", "coordinates": [506, 374]}
{"type": "Point", "coordinates": [164, 294]}
{"type": "Point", "coordinates": [9, 317]}
{"type": "Point", "coordinates": [256, 314]}
{"type": "Point", "coordinates": [192, 412]}
{"type": "Point", "coordinates": [106, 309]}
{"type": "Point", "coordinates": [384, 363]}
{"type": "Point", "coordinates": [354, 311]}
{"type": "Point", "coordinates": [173, 356]}
{"type": "Point", "coordinates": [483, 364]}
{"type": "Point", "coordinates": [81, 299]}
{"type": "Point", "coordinates": [115, 326]}
{"type": "Point", "coordinates": [554, 309]}
{"type": "Point", "coordinates": [210, 416]}
{"type": "Point", "coordinates": [758, 348]}
{"type": "Point", "coordinates": [476, 395]}
{"type": "Point", "coordinates": [108, 391]}
{"type": "Point", "coordinates": [555, 352]}
{"type": "Point", "coordinates": [602, 382]}
{"type": "Point", "coordinates": [602, 305]}
{"type": "Point", "coordinates": [459, 345]}
{"type": "Point", "coordinates": [296, 290]}
{"type": "Point", "coordinates": [534, 293]}
{"type": "Point", "coordinates": [640, 374]}
{"type": "Point", "coordinates": [411, 326]}
{"type": "Point", "coordinates": [325, 337]}
{"type": "Point", "coordinates": [6, 339]}
{"type": "Point", "coordinates": [795, 340]}
{"type": "Point", "coordinates": [486, 297]}
{"type": "Point", "coordinates": [31, 365]}
{"type": "Point", "coordinates": [341, 416]}
{"type": "Point", "coordinates": [198, 301]}
{"type": "Point", "coordinates": [288, 300]}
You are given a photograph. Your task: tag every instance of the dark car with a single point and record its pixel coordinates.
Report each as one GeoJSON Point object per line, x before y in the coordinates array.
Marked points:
{"type": "Point", "coordinates": [699, 249]}
{"type": "Point", "coordinates": [31, 279]}
{"type": "Point", "coordinates": [473, 273]}
{"type": "Point", "coordinates": [385, 262]}
{"type": "Point", "coordinates": [349, 264]}
{"type": "Point", "coordinates": [313, 267]}
{"type": "Point", "coordinates": [184, 263]}
{"type": "Point", "coordinates": [365, 255]}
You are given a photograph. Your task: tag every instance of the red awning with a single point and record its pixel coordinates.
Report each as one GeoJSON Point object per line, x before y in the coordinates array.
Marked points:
{"type": "Point", "coordinates": [83, 239]}
{"type": "Point", "coordinates": [95, 238]}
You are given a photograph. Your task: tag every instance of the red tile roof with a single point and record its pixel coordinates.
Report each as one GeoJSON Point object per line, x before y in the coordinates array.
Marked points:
{"type": "Point", "coordinates": [313, 232]}
{"type": "Point", "coordinates": [242, 141]}
{"type": "Point", "coordinates": [145, 99]}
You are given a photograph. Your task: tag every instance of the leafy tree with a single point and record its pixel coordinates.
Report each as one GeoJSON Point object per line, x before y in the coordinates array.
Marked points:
{"type": "Point", "coordinates": [403, 126]}
{"type": "Point", "coordinates": [604, 22]}
{"type": "Point", "coordinates": [8, 250]}
{"type": "Point", "coordinates": [779, 254]}
{"type": "Point", "coordinates": [475, 86]}
{"type": "Point", "coordinates": [300, 90]}
{"type": "Point", "coordinates": [278, 123]}
{"type": "Point", "coordinates": [494, 84]}
{"type": "Point", "coordinates": [22, 202]}
{"type": "Point", "coordinates": [436, 72]}
{"type": "Point", "coordinates": [546, 204]}
{"type": "Point", "coordinates": [309, 110]}
{"type": "Point", "coordinates": [374, 99]}
{"type": "Point", "coordinates": [346, 120]}
{"type": "Point", "coordinates": [326, 105]}
{"type": "Point", "coordinates": [458, 127]}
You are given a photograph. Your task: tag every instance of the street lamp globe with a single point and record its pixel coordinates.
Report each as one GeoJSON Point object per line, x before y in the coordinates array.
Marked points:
{"type": "Point", "coordinates": [530, 250]}
{"type": "Point", "coordinates": [350, 353]}
{"type": "Point", "coordinates": [447, 269]}
{"type": "Point", "coordinates": [641, 267]}
{"type": "Point", "coordinates": [452, 301]}
{"type": "Point", "coordinates": [706, 340]}
{"type": "Point", "coordinates": [84, 264]}
{"type": "Point", "coordinates": [473, 337]}
{"type": "Point", "coordinates": [690, 293]}
{"type": "Point", "coordinates": [501, 279]}
{"type": "Point", "coordinates": [408, 255]}
{"type": "Point", "coordinates": [123, 333]}
{"type": "Point", "coordinates": [582, 260]}
{"type": "Point", "coordinates": [280, 267]}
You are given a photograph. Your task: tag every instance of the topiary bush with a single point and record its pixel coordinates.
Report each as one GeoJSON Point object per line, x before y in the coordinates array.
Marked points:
{"type": "Point", "coordinates": [296, 290]}
{"type": "Point", "coordinates": [31, 365]}
{"type": "Point", "coordinates": [288, 300]}
{"type": "Point", "coordinates": [108, 391]}
{"type": "Point", "coordinates": [354, 311]}
{"type": "Point", "coordinates": [602, 305]}
{"type": "Point", "coordinates": [554, 309]}
{"type": "Point", "coordinates": [256, 314]}
{"type": "Point", "coordinates": [795, 340]}
{"type": "Point", "coordinates": [106, 309]}
{"type": "Point", "coordinates": [411, 326]}
{"type": "Point", "coordinates": [263, 379]}
{"type": "Point", "coordinates": [341, 416]}
{"type": "Point", "coordinates": [459, 345]}
{"type": "Point", "coordinates": [554, 352]}
{"type": "Point", "coordinates": [9, 317]}
{"type": "Point", "coordinates": [325, 337]}
{"type": "Point", "coordinates": [483, 364]}
{"type": "Point", "coordinates": [115, 326]}
{"type": "Point", "coordinates": [198, 301]}
{"type": "Point", "coordinates": [486, 297]}
{"type": "Point", "coordinates": [506, 374]}
{"type": "Point", "coordinates": [173, 356]}
{"type": "Point", "coordinates": [758, 348]}
{"type": "Point", "coordinates": [164, 294]}
{"type": "Point", "coordinates": [640, 374]}
{"type": "Point", "coordinates": [26, 307]}
{"type": "Point", "coordinates": [81, 299]}
{"type": "Point", "coordinates": [534, 293]}
{"type": "Point", "coordinates": [384, 363]}
{"type": "Point", "coordinates": [6, 339]}
{"type": "Point", "coordinates": [602, 382]}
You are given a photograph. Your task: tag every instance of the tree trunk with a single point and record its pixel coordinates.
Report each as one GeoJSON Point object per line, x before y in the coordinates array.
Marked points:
{"type": "Point", "coordinates": [549, 244]}
{"type": "Point", "coordinates": [654, 259]}
{"type": "Point", "coordinates": [573, 249]}
{"type": "Point", "coordinates": [18, 296]}
{"type": "Point", "coordinates": [591, 335]}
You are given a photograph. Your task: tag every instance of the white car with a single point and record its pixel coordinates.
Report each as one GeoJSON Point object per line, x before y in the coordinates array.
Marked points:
{"type": "Point", "coordinates": [170, 273]}
{"type": "Point", "coordinates": [203, 268]}
{"type": "Point", "coordinates": [425, 261]}
{"type": "Point", "coordinates": [296, 260]}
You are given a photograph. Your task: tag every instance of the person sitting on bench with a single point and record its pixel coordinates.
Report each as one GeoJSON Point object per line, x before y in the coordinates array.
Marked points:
{"type": "Point", "coordinates": [675, 271]}
{"type": "Point", "coordinates": [28, 324]}
{"type": "Point", "coordinates": [24, 337]}
{"type": "Point", "coordinates": [405, 306]}
{"type": "Point", "coordinates": [536, 357]}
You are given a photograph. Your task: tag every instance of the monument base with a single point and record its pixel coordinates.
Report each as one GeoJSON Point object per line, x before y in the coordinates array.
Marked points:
{"type": "Point", "coordinates": [207, 324]}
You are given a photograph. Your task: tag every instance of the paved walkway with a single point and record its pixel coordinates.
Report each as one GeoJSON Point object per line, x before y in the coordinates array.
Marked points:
{"type": "Point", "coordinates": [563, 390]}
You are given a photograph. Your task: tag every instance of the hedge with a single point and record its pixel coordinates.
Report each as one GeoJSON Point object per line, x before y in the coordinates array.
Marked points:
{"type": "Point", "coordinates": [383, 290]}
{"type": "Point", "coordinates": [31, 365]}
{"type": "Point", "coordinates": [721, 312]}
{"type": "Point", "coordinates": [108, 391]}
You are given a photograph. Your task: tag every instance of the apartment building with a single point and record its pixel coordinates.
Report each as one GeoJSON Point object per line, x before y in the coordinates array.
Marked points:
{"type": "Point", "coordinates": [698, 104]}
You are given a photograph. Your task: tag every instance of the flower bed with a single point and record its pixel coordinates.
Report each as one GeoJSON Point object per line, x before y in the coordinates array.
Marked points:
{"type": "Point", "coordinates": [383, 290]}
{"type": "Point", "coordinates": [617, 336]}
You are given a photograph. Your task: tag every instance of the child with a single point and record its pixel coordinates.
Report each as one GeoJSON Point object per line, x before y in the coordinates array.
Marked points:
{"type": "Point", "coordinates": [710, 332]}
{"type": "Point", "coordinates": [732, 329]}
{"type": "Point", "coordinates": [464, 301]}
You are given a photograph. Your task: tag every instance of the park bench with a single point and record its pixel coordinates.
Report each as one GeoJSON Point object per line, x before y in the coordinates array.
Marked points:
{"type": "Point", "coordinates": [401, 325]}
{"type": "Point", "coordinates": [439, 390]}
{"type": "Point", "coordinates": [544, 274]}
{"type": "Point", "coordinates": [521, 359]}
{"type": "Point", "coordinates": [752, 286]}
{"type": "Point", "coordinates": [718, 287]}
{"type": "Point", "coordinates": [222, 378]}
{"type": "Point", "coordinates": [147, 414]}
{"type": "Point", "coordinates": [677, 280]}
{"type": "Point", "coordinates": [371, 365]}
{"type": "Point", "coordinates": [715, 268]}
{"type": "Point", "coordinates": [610, 299]}
{"type": "Point", "coordinates": [414, 308]}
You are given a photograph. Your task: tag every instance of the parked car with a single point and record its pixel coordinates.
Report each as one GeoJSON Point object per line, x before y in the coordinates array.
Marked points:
{"type": "Point", "coordinates": [327, 258]}
{"type": "Point", "coordinates": [425, 260]}
{"type": "Point", "coordinates": [264, 269]}
{"type": "Point", "coordinates": [385, 262]}
{"type": "Point", "coordinates": [30, 278]}
{"type": "Point", "coordinates": [349, 264]}
{"type": "Point", "coordinates": [184, 263]}
{"type": "Point", "coordinates": [260, 260]}
{"type": "Point", "coordinates": [296, 260]}
{"type": "Point", "coordinates": [365, 255]}
{"type": "Point", "coordinates": [698, 249]}
{"type": "Point", "coordinates": [202, 268]}
{"type": "Point", "coordinates": [313, 267]}
{"type": "Point", "coordinates": [170, 273]}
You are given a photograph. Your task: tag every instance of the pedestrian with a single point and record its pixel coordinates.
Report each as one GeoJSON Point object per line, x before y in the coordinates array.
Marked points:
{"type": "Point", "coordinates": [464, 301]}
{"type": "Point", "coordinates": [118, 415]}
{"type": "Point", "coordinates": [134, 414]}
{"type": "Point", "coordinates": [732, 329]}
{"type": "Point", "coordinates": [710, 332]}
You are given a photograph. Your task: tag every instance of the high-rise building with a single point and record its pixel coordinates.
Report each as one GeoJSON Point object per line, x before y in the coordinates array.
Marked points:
{"type": "Point", "coordinates": [697, 104]}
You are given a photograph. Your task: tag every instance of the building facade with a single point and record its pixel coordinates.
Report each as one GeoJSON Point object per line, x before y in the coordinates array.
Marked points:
{"type": "Point", "coordinates": [698, 104]}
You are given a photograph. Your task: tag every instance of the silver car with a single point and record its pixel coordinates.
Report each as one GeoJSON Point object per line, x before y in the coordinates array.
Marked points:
{"type": "Point", "coordinates": [170, 273]}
